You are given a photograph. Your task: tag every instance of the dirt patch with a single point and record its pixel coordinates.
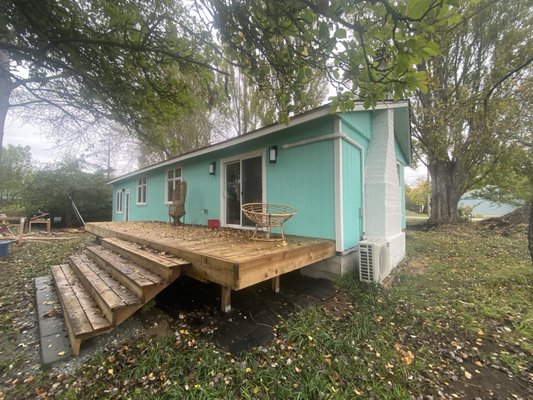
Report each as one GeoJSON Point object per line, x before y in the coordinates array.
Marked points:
{"type": "Point", "coordinates": [489, 382]}
{"type": "Point", "coordinates": [255, 310]}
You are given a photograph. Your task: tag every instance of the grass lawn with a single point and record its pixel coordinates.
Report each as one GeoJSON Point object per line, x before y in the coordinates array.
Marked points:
{"type": "Point", "coordinates": [457, 322]}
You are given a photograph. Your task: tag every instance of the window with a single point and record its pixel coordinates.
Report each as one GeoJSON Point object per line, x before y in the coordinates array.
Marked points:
{"type": "Point", "coordinates": [173, 179]}
{"type": "Point", "coordinates": [141, 190]}
{"type": "Point", "coordinates": [119, 202]}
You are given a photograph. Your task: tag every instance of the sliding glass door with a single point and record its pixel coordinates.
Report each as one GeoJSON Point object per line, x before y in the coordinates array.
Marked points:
{"type": "Point", "coordinates": [243, 184]}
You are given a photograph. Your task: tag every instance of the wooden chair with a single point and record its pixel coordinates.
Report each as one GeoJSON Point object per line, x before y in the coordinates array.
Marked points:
{"type": "Point", "coordinates": [176, 210]}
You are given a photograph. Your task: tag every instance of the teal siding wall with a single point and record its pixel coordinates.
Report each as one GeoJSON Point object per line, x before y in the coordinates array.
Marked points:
{"type": "Point", "coordinates": [352, 195]}
{"type": "Point", "coordinates": [400, 157]}
{"type": "Point", "coordinates": [309, 168]}
{"type": "Point", "coordinates": [357, 126]}
{"type": "Point", "coordinates": [399, 154]}
{"type": "Point", "coordinates": [303, 177]}
{"type": "Point", "coordinates": [203, 191]}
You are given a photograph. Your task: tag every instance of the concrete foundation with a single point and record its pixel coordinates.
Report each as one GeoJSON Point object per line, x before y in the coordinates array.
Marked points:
{"type": "Point", "coordinates": [333, 267]}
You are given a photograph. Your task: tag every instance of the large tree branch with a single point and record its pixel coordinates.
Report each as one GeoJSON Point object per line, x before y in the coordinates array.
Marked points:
{"type": "Point", "coordinates": [503, 79]}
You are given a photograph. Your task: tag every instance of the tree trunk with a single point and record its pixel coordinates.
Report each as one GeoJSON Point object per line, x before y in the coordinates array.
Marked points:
{"type": "Point", "coordinates": [6, 86]}
{"type": "Point", "coordinates": [447, 183]}
{"type": "Point", "coordinates": [530, 231]}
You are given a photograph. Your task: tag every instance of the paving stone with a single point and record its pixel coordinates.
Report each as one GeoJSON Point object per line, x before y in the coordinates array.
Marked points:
{"type": "Point", "coordinates": [55, 345]}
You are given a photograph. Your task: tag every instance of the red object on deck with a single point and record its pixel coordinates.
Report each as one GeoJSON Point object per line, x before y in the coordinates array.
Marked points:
{"type": "Point", "coordinates": [213, 223]}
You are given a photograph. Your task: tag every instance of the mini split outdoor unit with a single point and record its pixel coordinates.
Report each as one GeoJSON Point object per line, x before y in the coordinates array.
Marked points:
{"type": "Point", "coordinates": [373, 260]}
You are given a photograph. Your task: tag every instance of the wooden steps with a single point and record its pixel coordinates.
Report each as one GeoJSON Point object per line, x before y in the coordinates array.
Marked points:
{"type": "Point", "coordinates": [100, 288]}
{"type": "Point", "coordinates": [168, 267]}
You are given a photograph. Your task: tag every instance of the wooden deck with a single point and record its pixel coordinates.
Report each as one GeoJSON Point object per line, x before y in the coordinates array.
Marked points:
{"type": "Point", "coordinates": [224, 256]}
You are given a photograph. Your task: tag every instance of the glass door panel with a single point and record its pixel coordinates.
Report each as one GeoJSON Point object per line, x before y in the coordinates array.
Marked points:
{"type": "Point", "coordinates": [252, 184]}
{"type": "Point", "coordinates": [233, 193]}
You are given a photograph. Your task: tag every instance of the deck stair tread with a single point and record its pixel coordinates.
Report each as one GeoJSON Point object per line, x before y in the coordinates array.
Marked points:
{"type": "Point", "coordinates": [83, 317]}
{"type": "Point", "coordinates": [140, 275]}
{"type": "Point", "coordinates": [166, 266]}
{"type": "Point", "coordinates": [112, 293]}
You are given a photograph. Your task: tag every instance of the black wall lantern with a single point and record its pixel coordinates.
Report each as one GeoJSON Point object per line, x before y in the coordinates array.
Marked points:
{"type": "Point", "coordinates": [212, 167]}
{"type": "Point", "coordinates": [272, 154]}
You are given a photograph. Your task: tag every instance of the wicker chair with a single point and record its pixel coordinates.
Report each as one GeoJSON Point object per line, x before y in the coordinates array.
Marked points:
{"type": "Point", "coordinates": [268, 215]}
{"type": "Point", "coordinates": [176, 210]}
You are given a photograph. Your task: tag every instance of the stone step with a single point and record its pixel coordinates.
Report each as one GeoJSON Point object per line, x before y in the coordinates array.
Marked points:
{"type": "Point", "coordinates": [115, 300]}
{"type": "Point", "coordinates": [141, 281]}
{"type": "Point", "coordinates": [83, 317]}
{"type": "Point", "coordinates": [168, 267]}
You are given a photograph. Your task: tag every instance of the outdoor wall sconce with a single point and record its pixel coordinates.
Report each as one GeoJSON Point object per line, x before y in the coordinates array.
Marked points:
{"type": "Point", "coordinates": [273, 154]}
{"type": "Point", "coordinates": [212, 167]}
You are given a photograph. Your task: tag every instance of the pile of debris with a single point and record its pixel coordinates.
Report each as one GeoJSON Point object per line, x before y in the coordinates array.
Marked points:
{"type": "Point", "coordinates": [515, 222]}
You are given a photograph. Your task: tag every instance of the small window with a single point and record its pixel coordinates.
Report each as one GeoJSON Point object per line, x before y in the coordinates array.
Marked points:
{"type": "Point", "coordinates": [141, 190]}
{"type": "Point", "coordinates": [119, 202]}
{"type": "Point", "coordinates": [173, 179]}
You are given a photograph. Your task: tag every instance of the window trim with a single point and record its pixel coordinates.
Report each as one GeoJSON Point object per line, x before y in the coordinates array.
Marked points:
{"type": "Point", "coordinates": [174, 180]}
{"type": "Point", "coordinates": [142, 189]}
{"type": "Point", "coordinates": [119, 202]}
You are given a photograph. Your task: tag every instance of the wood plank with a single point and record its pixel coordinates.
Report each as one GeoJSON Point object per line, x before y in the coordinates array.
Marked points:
{"type": "Point", "coordinates": [134, 277]}
{"type": "Point", "coordinates": [166, 267]}
{"type": "Point", "coordinates": [203, 266]}
{"type": "Point", "coordinates": [95, 316]}
{"type": "Point", "coordinates": [72, 309]}
{"type": "Point", "coordinates": [268, 267]}
{"type": "Point", "coordinates": [169, 262]}
{"type": "Point", "coordinates": [141, 276]}
{"type": "Point", "coordinates": [237, 267]}
{"type": "Point", "coordinates": [125, 295]}
{"type": "Point", "coordinates": [92, 280]}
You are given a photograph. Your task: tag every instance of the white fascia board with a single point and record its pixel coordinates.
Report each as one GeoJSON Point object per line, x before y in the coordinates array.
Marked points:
{"type": "Point", "coordinates": [321, 111]}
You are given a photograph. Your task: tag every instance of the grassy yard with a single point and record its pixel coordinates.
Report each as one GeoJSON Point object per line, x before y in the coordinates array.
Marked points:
{"type": "Point", "coordinates": [457, 322]}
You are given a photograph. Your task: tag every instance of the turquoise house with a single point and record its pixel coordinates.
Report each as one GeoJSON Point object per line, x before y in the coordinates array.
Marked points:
{"type": "Point", "coordinates": [343, 172]}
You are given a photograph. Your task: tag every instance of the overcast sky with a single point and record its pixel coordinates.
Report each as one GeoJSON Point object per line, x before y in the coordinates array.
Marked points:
{"type": "Point", "coordinates": [20, 134]}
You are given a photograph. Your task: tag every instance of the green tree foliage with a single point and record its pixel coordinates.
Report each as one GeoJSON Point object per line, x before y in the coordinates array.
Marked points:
{"type": "Point", "coordinates": [15, 169]}
{"type": "Point", "coordinates": [417, 196]}
{"type": "Point", "coordinates": [135, 61]}
{"type": "Point", "coordinates": [511, 181]}
{"type": "Point", "coordinates": [366, 49]}
{"type": "Point", "coordinates": [466, 124]}
{"type": "Point", "coordinates": [129, 61]}
{"type": "Point", "coordinates": [52, 187]}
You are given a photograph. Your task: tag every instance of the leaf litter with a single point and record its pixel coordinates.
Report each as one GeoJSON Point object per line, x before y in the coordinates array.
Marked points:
{"type": "Point", "coordinates": [458, 326]}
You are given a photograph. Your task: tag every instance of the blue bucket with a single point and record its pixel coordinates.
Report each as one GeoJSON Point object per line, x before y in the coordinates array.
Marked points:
{"type": "Point", "coordinates": [4, 248]}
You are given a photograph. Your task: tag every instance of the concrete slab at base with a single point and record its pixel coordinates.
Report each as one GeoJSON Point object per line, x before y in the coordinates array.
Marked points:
{"type": "Point", "coordinates": [333, 267]}
{"type": "Point", "coordinates": [55, 345]}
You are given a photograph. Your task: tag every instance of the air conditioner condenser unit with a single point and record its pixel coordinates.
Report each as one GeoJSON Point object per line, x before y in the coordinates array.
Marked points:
{"type": "Point", "coordinates": [373, 260]}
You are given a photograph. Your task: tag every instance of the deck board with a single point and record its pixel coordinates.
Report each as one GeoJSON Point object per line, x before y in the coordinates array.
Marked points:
{"type": "Point", "coordinates": [224, 256]}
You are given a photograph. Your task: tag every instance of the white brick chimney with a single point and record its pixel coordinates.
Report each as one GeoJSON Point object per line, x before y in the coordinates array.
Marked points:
{"type": "Point", "coordinates": [383, 212]}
